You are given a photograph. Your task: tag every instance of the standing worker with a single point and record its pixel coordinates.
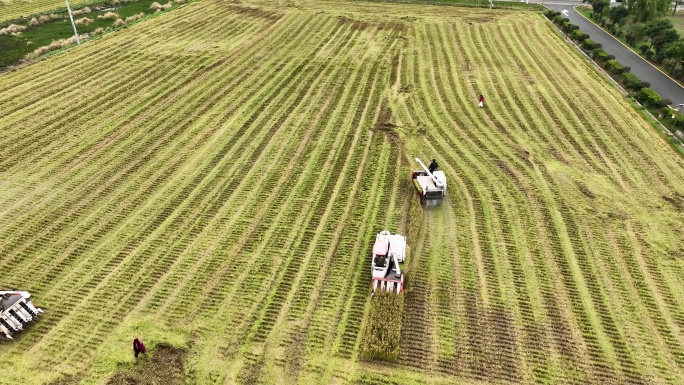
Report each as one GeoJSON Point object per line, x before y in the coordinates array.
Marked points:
{"type": "Point", "coordinates": [138, 347]}
{"type": "Point", "coordinates": [481, 101]}
{"type": "Point", "coordinates": [433, 166]}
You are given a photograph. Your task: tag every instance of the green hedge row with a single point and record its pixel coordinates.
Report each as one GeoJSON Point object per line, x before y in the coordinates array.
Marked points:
{"type": "Point", "coordinates": [639, 89]}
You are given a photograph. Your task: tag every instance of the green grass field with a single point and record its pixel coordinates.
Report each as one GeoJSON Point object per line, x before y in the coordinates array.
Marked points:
{"type": "Point", "coordinates": [211, 181]}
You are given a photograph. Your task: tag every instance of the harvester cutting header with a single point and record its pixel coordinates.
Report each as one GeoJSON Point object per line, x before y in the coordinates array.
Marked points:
{"type": "Point", "coordinates": [16, 310]}
{"type": "Point", "coordinates": [430, 183]}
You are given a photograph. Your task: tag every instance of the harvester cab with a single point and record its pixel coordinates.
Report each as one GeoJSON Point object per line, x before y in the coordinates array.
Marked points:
{"type": "Point", "coordinates": [389, 251]}
{"type": "Point", "coordinates": [431, 186]}
{"type": "Point", "coordinates": [16, 310]}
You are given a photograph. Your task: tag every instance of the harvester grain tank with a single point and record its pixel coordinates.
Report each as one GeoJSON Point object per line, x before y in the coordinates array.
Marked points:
{"type": "Point", "coordinates": [389, 251]}
{"type": "Point", "coordinates": [16, 310]}
{"type": "Point", "coordinates": [431, 186]}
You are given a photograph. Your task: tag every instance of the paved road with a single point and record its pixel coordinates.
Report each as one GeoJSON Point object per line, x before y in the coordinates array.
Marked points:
{"type": "Point", "coordinates": [663, 85]}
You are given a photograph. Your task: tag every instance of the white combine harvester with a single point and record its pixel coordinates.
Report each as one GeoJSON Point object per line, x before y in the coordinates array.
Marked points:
{"type": "Point", "coordinates": [431, 186]}
{"type": "Point", "coordinates": [388, 251]}
{"type": "Point", "coordinates": [16, 310]}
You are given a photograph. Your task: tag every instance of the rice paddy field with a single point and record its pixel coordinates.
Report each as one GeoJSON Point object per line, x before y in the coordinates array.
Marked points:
{"type": "Point", "coordinates": [211, 181]}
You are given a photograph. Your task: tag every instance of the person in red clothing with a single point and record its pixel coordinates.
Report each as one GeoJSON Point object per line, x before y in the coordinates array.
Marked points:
{"type": "Point", "coordinates": [481, 101]}
{"type": "Point", "coordinates": [138, 347]}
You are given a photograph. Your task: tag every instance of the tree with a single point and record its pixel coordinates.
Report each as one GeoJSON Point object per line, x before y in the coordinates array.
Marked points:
{"type": "Point", "coordinates": [661, 33]}
{"type": "Point", "coordinates": [654, 27]}
{"type": "Point", "coordinates": [599, 6]}
{"type": "Point", "coordinates": [675, 52]}
{"type": "Point", "coordinates": [618, 14]}
{"type": "Point", "coordinates": [646, 10]}
{"type": "Point", "coordinates": [634, 32]}
{"type": "Point", "coordinates": [664, 39]}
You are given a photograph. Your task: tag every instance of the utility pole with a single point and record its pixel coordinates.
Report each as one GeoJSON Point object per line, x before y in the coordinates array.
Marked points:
{"type": "Point", "coordinates": [78, 41]}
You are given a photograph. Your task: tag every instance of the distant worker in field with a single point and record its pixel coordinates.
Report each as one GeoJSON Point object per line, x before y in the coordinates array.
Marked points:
{"type": "Point", "coordinates": [138, 347]}
{"type": "Point", "coordinates": [433, 166]}
{"type": "Point", "coordinates": [481, 101]}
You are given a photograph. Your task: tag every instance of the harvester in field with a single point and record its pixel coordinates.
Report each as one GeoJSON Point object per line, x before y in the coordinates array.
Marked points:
{"type": "Point", "coordinates": [389, 251]}
{"type": "Point", "coordinates": [431, 186]}
{"type": "Point", "coordinates": [16, 310]}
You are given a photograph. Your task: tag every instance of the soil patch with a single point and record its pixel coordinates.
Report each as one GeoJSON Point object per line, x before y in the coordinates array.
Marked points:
{"type": "Point", "coordinates": [67, 380]}
{"type": "Point", "coordinates": [164, 367]}
{"type": "Point", "coordinates": [676, 201]}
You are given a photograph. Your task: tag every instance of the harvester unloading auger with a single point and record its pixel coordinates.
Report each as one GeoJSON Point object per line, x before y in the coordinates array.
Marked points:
{"type": "Point", "coordinates": [388, 251]}
{"type": "Point", "coordinates": [431, 186]}
{"type": "Point", "coordinates": [16, 310]}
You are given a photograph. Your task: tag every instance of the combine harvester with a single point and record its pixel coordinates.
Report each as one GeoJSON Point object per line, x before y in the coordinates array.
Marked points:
{"type": "Point", "coordinates": [431, 186]}
{"type": "Point", "coordinates": [388, 251]}
{"type": "Point", "coordinates": [16, 310]}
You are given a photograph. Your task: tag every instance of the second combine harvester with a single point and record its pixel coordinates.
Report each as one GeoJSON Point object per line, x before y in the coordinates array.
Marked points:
{"type": "Point", "coordinates": [431, 186]}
